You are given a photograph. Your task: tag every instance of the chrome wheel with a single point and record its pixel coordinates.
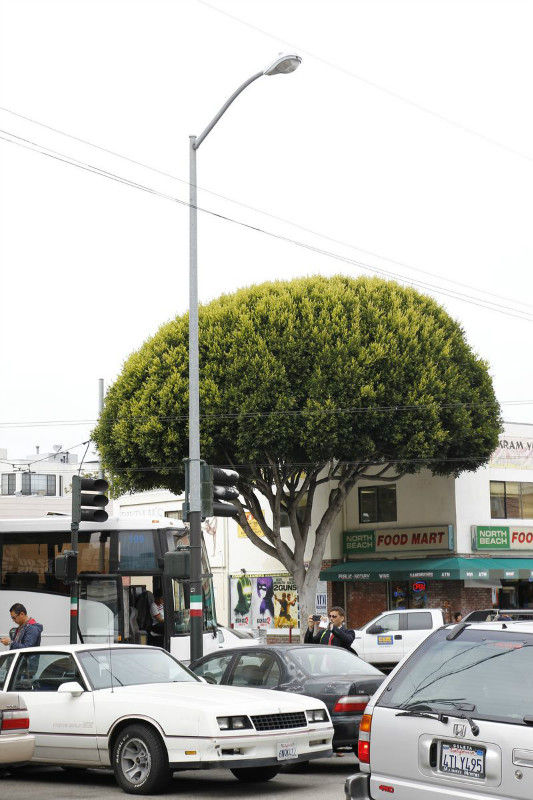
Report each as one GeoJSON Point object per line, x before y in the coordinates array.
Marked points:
{"type": "Point", "coordinates": [135, 761]}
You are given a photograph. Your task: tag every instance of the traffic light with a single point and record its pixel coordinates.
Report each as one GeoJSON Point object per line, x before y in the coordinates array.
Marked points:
{"type": "Point", "coordinates": [88, 499]}
{"type": "Point", "coordinates": [216, 485]}
{"type": "Point", "coordinates": [224, 488]}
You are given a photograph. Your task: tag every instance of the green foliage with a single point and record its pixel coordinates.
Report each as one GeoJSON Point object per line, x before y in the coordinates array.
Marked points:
{"type": "Point", "coordinates": [301, 373]}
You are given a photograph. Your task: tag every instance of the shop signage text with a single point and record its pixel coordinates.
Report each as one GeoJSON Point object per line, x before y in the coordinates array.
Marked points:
{"type": "Point", "coordinates": [434, 537]}
{"type": "Point", "coordinates": [502, 537]}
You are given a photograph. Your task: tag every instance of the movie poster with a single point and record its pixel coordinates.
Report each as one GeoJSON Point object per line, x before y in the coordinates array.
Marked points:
{"type": "Point", "coordinates": [241, 602]}
{"type": "Point", "coordinates": [285, 603]}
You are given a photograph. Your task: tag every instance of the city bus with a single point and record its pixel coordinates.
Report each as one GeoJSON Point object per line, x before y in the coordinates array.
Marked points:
{"type": "Point", "coordinates": [120, 571]}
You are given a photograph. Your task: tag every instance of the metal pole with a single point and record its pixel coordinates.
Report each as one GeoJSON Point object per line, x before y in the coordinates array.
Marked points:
{"type": "Point", "coordinates": [195, 522]}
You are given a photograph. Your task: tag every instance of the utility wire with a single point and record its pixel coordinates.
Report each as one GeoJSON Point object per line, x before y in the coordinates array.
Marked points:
{"type": "Point", "coordinates": [372, 84]}
{"type": "Point", "coordinates": [265, 213]}
{"type": "Point", "coordinates": [266, 414]}
{"type": "Point", "coordinates": [499, 308]}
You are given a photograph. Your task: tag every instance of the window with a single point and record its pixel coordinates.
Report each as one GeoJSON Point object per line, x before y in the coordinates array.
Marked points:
{"type": "Point", "coordinates": [44, 672]}
{"type": "Point", "coordinates": [38, 484]}
{"type": "Point", "coordinates": [255, 669]}
{"type": "Point", "coordinates": [6, 659]}
{"type": "Point", "coordinates": [213, 670]}
{"type": "Point", "coordinates": [419, 622]}
{"type": "Point", "coordinates": [511, 500]}
{"type": "Point", "coordinates": [390, 622]}
{"type": "Point", "coordinates": [377, 504]}
{"type": "Point", "coordinates": [8, 483]}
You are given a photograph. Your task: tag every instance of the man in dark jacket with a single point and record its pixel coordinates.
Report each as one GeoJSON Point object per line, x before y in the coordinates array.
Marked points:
{"type": "Point", "coordinates": [320, 631]}
{"type": "Point", "coordinates": [28, 633]}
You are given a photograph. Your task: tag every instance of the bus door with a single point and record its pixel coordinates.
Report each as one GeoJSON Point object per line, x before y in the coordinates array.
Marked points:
{"type": "Point", "coordinates": [101, 609]}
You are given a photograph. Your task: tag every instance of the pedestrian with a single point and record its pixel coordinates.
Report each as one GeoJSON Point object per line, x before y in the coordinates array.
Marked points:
{"type": "Point", "coordinates": [330, 630]}
{"type": "Point", "coordinates": [457, 617]}
{"type": "Point", "coordinates": [157, 613]}
{"type": "Point", "coordinates": [28, 633]}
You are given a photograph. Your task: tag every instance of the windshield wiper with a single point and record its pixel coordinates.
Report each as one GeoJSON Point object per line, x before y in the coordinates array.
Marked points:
{"type": "Point", "coordinates": [425, 706]}
{"type": "Point", "coordinates": [424, 711]}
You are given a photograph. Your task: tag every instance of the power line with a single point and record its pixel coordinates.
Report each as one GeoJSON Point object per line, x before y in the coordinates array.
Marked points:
{"type": "Point", "coordinates": [372, 84]}
{"type": "Point", "coordinates": [265, 213]}
{"type": "Point", "coordinates": [265, 414]}
{"type": "Point", "coordinates": [489, 305]}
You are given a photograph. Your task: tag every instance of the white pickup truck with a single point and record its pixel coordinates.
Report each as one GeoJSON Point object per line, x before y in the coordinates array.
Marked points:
{"type": "Point", "coordinates": [387, 638]}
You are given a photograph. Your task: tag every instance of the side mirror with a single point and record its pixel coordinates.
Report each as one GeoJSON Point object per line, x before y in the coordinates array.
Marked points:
{"type": "Point", "coordinates": [374, 629]}
{"type": "Point", "coordinates": [71, 687]}
{"type": "Point", "coordinates": [12, 632]}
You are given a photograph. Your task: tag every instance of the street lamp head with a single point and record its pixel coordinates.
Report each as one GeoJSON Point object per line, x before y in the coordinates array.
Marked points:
{"type": "Point", "coordinates": [283, 64]}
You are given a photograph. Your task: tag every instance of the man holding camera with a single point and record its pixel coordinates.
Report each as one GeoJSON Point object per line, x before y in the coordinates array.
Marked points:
{"type": "Point", "coordinates": [329, 630]}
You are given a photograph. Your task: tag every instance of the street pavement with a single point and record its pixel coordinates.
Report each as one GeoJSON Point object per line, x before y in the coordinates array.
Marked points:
{"type": "Point", "coordinates": [323, 778]}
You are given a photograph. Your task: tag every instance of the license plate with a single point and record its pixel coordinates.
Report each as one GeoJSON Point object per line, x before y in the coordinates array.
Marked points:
{"type": "Point", "coordinates": [286, 751]}
{"type": "Point", "coordinates": [461, 759]}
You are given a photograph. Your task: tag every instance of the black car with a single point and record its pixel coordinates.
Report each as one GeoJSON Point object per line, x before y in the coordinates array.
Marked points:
{"type": "Point", "coordinates": [499, 615]}
{"type": "Point", "coordinates": [336, 676]}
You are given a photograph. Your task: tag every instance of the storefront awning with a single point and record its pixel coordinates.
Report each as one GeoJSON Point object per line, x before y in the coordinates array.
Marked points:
{"type": "Point", "coordinates": [445, 568]}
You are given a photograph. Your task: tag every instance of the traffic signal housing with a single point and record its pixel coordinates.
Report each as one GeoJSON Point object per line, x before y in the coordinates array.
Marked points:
{"type": "Point", "coordinates": [224, 488]}
{"type": "Point", "coordinates": [89, 499]}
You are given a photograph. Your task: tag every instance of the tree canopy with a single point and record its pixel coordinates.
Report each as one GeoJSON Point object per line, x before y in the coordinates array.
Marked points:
{"type": "Point", "coordinates": [301, 382]}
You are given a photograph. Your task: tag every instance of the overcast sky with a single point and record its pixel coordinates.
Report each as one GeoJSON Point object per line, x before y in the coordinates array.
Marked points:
{"type": "Point", "coordinates": [403, 143]}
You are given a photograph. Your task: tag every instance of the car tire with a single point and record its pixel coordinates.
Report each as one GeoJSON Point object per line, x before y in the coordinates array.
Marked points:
{"type": "Point", "coordinates": [140, 761]}
{"type": "Point", "coordinates": [255, 775]}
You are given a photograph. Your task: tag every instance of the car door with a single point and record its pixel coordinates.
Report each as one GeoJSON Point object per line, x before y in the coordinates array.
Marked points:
{"type": "Point", "coordinates": [63, 725]}
{"type": "Point", "coordinates": [383, 640]}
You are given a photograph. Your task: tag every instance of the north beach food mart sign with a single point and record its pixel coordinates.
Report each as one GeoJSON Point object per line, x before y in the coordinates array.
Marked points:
{"type": "Point", "coordinates": [502, 537]}
{"type": "Point", "coordinates": [431, 538]}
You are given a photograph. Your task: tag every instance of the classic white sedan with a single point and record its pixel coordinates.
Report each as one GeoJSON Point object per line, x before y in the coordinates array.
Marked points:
{"type": "Point", "coordinates": [142, 712]}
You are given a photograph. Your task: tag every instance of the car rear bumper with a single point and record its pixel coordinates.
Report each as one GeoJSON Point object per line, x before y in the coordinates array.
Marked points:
{"type": "Point", "coordinates": [357, 787]}
{"type": "Point", "coordinates": [16, 749]}
{"type": "Point", "coordinates": [346, 730]}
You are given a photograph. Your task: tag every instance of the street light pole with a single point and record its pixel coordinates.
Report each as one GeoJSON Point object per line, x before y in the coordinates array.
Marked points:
{"type": "Point", "coordinates": [283, 65]}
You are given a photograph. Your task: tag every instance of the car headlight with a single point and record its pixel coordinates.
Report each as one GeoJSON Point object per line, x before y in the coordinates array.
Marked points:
{"type": "Point", "coordinates": [317, 715]}
{"type": "Point", "coordinates": [233, 723]}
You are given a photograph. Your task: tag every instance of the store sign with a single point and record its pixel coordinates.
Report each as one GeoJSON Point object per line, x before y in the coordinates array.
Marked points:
{"type": "Point", "coordinates": [513, 452]}
{"type": "Point", "coordinates": [398, 540]}
{"type": "Point", "coordinates": [502, 537]}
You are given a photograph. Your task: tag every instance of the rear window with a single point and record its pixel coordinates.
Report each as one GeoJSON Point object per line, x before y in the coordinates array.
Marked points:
{"type": "Point", "coordinates": [419, 622]}
{"type": "Point", "coordinates": [488, 673]}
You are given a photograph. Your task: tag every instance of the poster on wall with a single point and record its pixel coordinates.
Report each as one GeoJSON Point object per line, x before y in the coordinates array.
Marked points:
{"type": "Point", "coordinates": [269, 601]}
{"type": "Point", "coordinates": [241, 602]}
{"type": "Point", "coordinates": [285, 603]}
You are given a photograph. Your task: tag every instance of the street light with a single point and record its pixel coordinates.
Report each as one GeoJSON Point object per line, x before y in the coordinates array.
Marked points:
{"type": "Point", "coordinates": [283, 65]}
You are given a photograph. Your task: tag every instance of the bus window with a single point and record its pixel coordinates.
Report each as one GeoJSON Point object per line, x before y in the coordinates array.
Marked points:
{"type": "Point", "coordinates": [136, 552]}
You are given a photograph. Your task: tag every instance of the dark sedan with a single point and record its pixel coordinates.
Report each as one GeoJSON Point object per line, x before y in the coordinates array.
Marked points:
{"type": "Point", "coordinates": [336, 676]}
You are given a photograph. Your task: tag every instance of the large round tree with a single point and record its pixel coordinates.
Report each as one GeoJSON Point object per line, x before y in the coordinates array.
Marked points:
{"type": "Point", "coordinates": [303, 382]}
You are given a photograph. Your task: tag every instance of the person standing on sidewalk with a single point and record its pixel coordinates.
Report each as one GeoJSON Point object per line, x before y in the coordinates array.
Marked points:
{"type": "Point", "coordinates": [330, 630]}
{"type": "Point", "coordinates": [28, 633]}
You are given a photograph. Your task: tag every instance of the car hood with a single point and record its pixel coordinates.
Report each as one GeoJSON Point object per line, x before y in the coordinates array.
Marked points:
{"type": "Point", "coordinates": [226, 698]}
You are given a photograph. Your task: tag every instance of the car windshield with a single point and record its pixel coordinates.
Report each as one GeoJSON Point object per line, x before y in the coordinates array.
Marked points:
{"type": "Point", "coordinates": [122, 666]}
{"type": "Point", "coordinates": [320, 661]}
{"type": "Point", "coordinates": [485, 672]}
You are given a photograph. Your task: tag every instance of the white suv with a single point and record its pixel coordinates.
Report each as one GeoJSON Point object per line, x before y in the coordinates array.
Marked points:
{"type": "Point", "coordinates": [453, 720]}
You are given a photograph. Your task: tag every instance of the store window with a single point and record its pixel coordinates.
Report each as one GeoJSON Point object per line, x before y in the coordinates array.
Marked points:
{"type": "Point", "coordinates": [511, 500]}
{"type": "Point", "coordinates": [377, 504]}
{"type": "Point", "coordinates": [38, 484]}
{"type": "Point", "coordinates": [8, 483]}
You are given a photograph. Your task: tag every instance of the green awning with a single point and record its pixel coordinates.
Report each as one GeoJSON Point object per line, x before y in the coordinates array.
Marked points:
{"type": "Point", "coordinates": [449, 568]}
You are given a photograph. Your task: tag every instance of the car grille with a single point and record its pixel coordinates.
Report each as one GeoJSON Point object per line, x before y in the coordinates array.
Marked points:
{"type": "Point", "coordinates": [280, 722]}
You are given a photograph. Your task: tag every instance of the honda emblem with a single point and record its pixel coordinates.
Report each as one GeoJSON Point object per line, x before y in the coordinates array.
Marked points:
{"type": "Point", "coordinates": [459, 730]}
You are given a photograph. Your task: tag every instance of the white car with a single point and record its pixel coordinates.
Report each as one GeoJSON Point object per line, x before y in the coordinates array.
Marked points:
{"type": "Point", "coordinates": [16, 744]}
{"type": "Point", "coordinates": [144, 713]}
